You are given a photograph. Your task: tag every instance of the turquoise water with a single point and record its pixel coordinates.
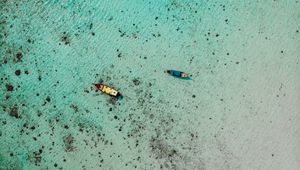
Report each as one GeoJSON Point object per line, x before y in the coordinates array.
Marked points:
{"type": "Point", "coordinates": [240, 110]}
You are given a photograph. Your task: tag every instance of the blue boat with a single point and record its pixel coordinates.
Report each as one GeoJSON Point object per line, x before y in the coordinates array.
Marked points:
{"type": "Point", "coordinates": [179, 74]}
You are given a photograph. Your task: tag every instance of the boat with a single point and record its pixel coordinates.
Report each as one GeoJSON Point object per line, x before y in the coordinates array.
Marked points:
{"type": "Point", "coordinates": [179, 74]}
{"type": "Point", "coordinates": [108, 90]}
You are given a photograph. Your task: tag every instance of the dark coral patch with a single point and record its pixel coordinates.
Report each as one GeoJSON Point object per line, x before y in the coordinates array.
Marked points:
{"type": "Point", "coordinates": [74, 107]}
{"type": "Point", "coordinates": [35, 157]}
{"type": "Point", "coordinates": [18, 72]}
{"type": "Point", "coordinates": [136, 82]}
{"type": "Point", "coordinates": [14, 112]}
{"type": "Point", "coordinates": [65, 39]}
{"type": "Point", "coordinates": [9, 87]}
{"type": "Point", "coordinates": [48, 99]}
{"type": "Point", "coordinates": [19, 56]}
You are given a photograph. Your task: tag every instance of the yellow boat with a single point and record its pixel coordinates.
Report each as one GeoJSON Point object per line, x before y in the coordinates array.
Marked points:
{"type": "Point", "coordinates": [108, 90]}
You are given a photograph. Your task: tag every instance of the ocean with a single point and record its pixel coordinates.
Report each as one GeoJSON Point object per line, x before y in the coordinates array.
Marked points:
{"type": "Point", "coordinates": [239, 110]}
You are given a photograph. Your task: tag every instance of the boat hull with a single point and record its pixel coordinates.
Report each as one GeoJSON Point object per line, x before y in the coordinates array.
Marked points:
{"type": "Point", "coordinates": [178, 74]}
{"type": "Point", "coordinates": [108, 90]}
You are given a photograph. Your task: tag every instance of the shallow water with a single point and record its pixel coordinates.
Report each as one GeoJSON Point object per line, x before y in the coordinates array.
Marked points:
{"type": "Point", "coordinates": [240, 110]}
